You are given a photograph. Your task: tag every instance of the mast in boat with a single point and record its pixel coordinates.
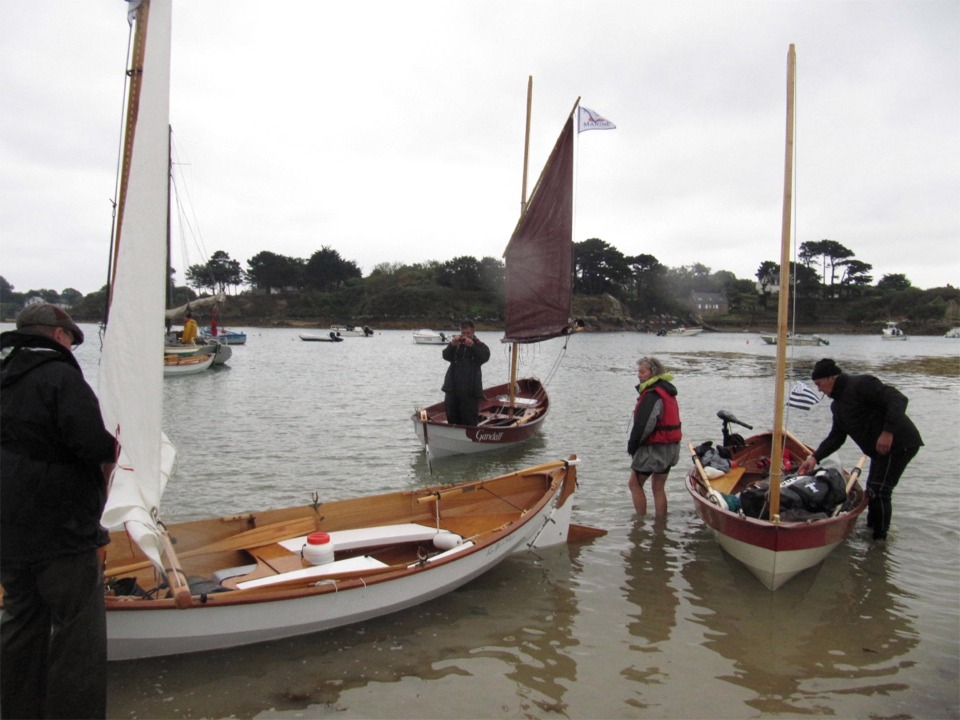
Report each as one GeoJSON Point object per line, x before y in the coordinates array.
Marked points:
{"type": "Point", "coordinates": [776, 451]}
{"type": "Point", "coordinates": [515, 346]}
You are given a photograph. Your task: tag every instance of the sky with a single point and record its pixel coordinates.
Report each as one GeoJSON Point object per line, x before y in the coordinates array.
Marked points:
{"type": "Point", "coordinates": [393, 132]}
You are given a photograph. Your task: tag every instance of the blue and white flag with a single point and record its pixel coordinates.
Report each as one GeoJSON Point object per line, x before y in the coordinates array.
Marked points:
{"type": "Point", "coordinates": [591, 120]}
{"type": "Point", "coordinates": [802, 397]}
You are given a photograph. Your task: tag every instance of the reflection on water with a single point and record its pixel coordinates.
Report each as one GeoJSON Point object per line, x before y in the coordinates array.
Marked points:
{"type": "Point", "coordinates": [470, 632]}
{"type": "Point", "coordinates": [833, 632]}
{"type": "Point", "coordinates": [649, 621]}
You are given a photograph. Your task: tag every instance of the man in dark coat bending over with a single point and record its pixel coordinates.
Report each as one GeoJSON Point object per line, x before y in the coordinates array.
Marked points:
{"type": "Point", "coordinates": [463, 383]}
{"type": "Point", "coordinates": [874, 415]}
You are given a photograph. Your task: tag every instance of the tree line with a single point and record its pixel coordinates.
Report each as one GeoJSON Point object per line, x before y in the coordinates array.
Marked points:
{"type": "Point", "coordinates": [827, 272]}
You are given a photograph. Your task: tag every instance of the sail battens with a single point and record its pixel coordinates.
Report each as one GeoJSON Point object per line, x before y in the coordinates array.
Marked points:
{"type": "Point", "coordinates": [539, 256]}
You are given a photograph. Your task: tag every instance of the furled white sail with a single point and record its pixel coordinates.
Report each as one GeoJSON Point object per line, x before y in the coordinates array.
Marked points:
{"type": "Point", "coordinates": [131, 371]}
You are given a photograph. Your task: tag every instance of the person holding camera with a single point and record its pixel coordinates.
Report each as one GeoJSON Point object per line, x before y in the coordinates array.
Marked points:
{"type": "Point", "coordinates": [463, 383]}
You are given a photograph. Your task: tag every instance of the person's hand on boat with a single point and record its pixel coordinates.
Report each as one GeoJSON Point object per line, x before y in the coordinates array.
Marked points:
{"type": "Point", "coordinates": [885, 442]}
{"type": "Point", "coordinates": [807, 466]}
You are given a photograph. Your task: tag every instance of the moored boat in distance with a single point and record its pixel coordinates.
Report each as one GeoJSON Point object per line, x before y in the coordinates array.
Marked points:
{"type": "Point", "coordinates": [332, 336]}
{"type": "Point", "coordinates": [797, 339]}
{"type": "Point", "coordinates": [351, 331]}
{"type": "Point", "coordinates": [892, 332]}
{"type": "Point", "coordinates": [425, 336]}
{"type": "Point", "coordinates": [952, 333]}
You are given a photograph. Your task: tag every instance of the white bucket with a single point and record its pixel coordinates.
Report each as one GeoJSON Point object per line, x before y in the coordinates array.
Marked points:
{"type": "Point", "coordinates": [318, 549]}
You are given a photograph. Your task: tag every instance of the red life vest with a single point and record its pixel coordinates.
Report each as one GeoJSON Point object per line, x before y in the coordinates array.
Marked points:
{"type": "Point", "coordinates": [667, 429]}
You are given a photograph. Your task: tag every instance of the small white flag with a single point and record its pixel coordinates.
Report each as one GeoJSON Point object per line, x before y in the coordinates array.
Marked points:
{"type": "Point", "coordinates": [802, 397]}
{"type": "Point", "coordinates": [591, 120]}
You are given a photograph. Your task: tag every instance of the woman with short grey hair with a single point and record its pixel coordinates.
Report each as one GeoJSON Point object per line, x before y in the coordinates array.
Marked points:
{"type": "Point", "coordinates": [654, 444]}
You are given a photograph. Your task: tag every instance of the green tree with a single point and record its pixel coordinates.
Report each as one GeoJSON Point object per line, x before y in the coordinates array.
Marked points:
{"type": "Point", "coordinates": [831, 254]}
{"type": "Point", "coordinates": [893, 283]}
{"type": "Point", "coordinates": [217, 274]}
{"type": "Point", "coordinates": [855, 276]}
{"type": "Point", "coordinates": [269, 271]}
{"type": "Point", "coordinates": [462, 274]}
{"type": "Point", "coordinates": [599, 268]}
{"type": "Point", "coordinates": [326, 270]}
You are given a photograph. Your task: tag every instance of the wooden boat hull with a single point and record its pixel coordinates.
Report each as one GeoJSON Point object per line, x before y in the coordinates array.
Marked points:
{"type": "Point", "coordinates": [178, 365]}
{"type": "Point", "coordinates": [495, 517]}
{"type": "Point", "coordinates": [773, 552]}
{"type": "Point", "coordinates": [496, 430]}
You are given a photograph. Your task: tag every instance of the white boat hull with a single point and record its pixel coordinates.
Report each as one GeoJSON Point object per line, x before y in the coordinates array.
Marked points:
{"type": "Point", "coordinates": [495, 431]}
{"type": "Point", "coordinates": [802, 340]}
{"type": "Point", "coordinates": [429, 337]}
{"type": "Point", "coordinates": [185, 367]}
{"type": "Point", "coordinates": [137, 631]}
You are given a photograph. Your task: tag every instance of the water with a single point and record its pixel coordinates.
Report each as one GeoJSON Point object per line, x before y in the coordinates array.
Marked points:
{"type": "Point", "coordinates": [650, 621]}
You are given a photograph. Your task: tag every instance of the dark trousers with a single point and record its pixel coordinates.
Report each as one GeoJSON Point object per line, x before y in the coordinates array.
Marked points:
{"type": "Point", "coordinates": [885, 472]}
{"type": "Point", "coordinates": [461, 410]}
{"type": "Point", "coordinates": [53, 639]}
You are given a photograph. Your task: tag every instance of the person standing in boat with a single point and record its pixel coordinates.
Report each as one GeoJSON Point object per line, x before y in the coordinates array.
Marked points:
{"type": "Point", "coordinates": [654, 444]}
{"type": "Point", "coordinates": [189, 333]}
{"type": "Point", "coordinates": [55, 459]}
{"type": "Point", "coordinates": [874, 415]}
{"type": "Point", "coordinates": [463, 382]}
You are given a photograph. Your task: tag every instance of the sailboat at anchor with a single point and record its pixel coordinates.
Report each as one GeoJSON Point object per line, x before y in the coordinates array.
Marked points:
{"type": "Point", "coordinates": [539, 298]}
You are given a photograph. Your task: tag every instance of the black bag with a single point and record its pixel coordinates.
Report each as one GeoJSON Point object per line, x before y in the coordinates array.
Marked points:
{"type": "Point", "coordinates": [753, 500]}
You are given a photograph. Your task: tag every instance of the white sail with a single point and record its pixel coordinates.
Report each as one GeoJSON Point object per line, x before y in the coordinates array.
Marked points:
{"type": "Point", "coordinates": [131, 371]}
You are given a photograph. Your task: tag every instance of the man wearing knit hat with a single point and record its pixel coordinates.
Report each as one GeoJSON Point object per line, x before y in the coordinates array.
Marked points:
{"type": "Point", "coordinates": [55, 456]}
{"type": "Point", "coordinates": [874, 416]}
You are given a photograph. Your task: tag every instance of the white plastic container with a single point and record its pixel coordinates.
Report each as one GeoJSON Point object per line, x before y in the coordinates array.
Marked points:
{"type": "Point", "coordinates": [318, 549]}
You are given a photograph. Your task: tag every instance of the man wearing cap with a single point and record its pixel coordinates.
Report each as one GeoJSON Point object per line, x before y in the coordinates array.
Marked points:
{"type": "Point", "coordinates": [55, 458]}
{"type": "Point", "coordinates": [874, 415]}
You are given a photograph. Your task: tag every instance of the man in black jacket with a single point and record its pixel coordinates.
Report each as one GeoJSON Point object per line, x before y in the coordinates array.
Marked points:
{"type": "Point", "coordinates": [463, 383]}
{"type": "Point", "coordinates": [55, 458]}
{"type": "Point", "coordinates": [874, 415]}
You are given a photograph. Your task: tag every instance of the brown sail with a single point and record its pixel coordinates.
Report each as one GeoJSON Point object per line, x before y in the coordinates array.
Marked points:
{"type": "Point", "coordinates": [539, 256]}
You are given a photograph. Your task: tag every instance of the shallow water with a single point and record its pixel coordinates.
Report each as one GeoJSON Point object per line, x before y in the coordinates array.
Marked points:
{"type": "Point", "coordinates": [652, 620]}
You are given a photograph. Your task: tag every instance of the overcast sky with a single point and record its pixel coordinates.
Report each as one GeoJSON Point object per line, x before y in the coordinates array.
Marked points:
{"type": "Point", "coordinates": [393, 131]}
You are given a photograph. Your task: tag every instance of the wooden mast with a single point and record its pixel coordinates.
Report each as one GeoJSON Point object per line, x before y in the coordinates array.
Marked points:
{"type": "Point", "coordinates": [776, 451]}
{"type": "Point", "coordinates": [135, 73]}
{"type": "Point", "coordinates": [515, 346]}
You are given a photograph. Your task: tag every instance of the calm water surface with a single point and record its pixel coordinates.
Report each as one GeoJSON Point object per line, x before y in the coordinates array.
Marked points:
{"type": "Point", "coordinates": [650, 621]}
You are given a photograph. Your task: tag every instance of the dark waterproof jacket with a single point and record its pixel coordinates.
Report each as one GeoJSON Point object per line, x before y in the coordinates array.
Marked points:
{"type": "Point", "coordinates": [667, 430]}
{"type": "Point", "coordinates": [863, 407]}
{"type": "Point", "coordinates": [52, 444]}
{"type": "Point", "coordinates": [464, 377]}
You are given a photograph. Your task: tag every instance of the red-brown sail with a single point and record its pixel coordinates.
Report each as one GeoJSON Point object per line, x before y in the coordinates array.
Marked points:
{"type": "Point", "coordinates": [539, 256]}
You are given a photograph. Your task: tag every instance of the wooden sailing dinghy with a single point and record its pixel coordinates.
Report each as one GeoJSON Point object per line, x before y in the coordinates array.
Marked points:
{"type": "Point", "coordinates": [262, 575]}
{"type": "Point", "coordinates": [539, 298]}
{"type": "Point", "coordinates": [774, 550]}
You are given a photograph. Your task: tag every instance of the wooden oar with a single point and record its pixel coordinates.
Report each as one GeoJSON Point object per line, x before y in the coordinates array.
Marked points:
{"type": "Point", "coordinates": [253, 538]}
{"type": "Point", "coordinates": [854, 474]}
{"type": "Point", "coordinates": [712, 495]}
{"type": "Point", "coordinates": [176, 578]}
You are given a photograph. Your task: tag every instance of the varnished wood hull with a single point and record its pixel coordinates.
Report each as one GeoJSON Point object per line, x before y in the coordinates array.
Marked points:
{"type": "Point", "coordinates": [494, 517]}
